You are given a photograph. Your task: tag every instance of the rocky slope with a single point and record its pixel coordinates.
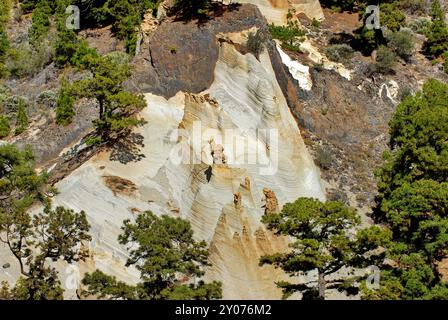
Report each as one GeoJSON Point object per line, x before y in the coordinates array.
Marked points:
{"type": "Point", "coordinates": [200, 81]}
{"type": "Point", "coordinates": [222, 199]}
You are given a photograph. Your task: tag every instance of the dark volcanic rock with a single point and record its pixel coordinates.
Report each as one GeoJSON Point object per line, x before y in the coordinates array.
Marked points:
{"type": "Point", "coordinates": [182, 55]}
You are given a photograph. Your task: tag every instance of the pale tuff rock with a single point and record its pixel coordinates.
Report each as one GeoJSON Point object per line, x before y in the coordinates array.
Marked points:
{"type": "Point", "coordinates": [275, 11]}
{"type": "Point", "coordinates": [243, 94]}
{"type": "Point", "coordinates": [217, 152]}
{"type": "Point", "coordinates": [297, 70]}
{"type": "Point", "coordinates": [271, 202]}
{"type": "Point", "coordinates": [391, 88]}
{"type": "Point", "coordinates": [237, 200]}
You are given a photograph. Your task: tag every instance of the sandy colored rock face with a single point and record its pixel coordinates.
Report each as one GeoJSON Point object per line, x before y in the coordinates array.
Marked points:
{"type": "Point", "coordinates": [223, 201]}
{"type": "Point", "coordinates": [275, 11]}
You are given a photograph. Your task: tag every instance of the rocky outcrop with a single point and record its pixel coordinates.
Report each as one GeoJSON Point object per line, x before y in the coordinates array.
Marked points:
{"type": "Point", "coordinates": [271, 202]}
{"type": "Point", "coordinates": [181, 56]}
{"type": "Point", "coordinates": [223, 201]}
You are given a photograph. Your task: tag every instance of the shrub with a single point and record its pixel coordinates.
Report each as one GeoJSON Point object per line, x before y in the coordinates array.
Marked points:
{"type": "Point", "coordinates": [339, 53]}
{"type": "Point", "coordinates": [391, 17]}
{"type": "Point", "coordinates": [402, 43]}
{"type": "Point", "coordinates": [323, 156]}
{"type": "Point", "coordinates": [385, 60]}
{"type": "Point", "coordinates": [65, 110]}
{"type": "Point", "coordinates": [41, 22]}
{"type": "Point", "coordinates": [419, 25]}
{"type": "Point", "coordinates": [47, 98]}
{"type": "Point", "coordinates": [437, 31]}
{"type": "Point", "coordinates": [22, 118]}
{"type": "Point", "coordinates": [5, 128]}
{"type": "Point", "coordinates": [255, 43]}
{"type": "Point", "coordinates": [290, 35]}
{"type": "Point", "coordinates": [25, 61]}
{"type": "Point", "coordinates": [315, 23]}
{"type": "Point", "coordinates": [65, 46]}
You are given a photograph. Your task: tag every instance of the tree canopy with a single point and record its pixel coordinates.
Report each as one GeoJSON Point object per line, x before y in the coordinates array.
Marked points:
{"type": "Point", "coordinates": [322, 242]}
{"type": "Point", "coordinates": [168, 258]}
{"type": "Point", "coordinates": [33, 240]}
{"type": "Point", "coordinates": [413, 197]}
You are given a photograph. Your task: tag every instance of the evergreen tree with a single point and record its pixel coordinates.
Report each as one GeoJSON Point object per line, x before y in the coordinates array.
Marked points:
{"type": "Point", "coordinates": [41, 22]}
{"type": "Point", "coordinates": [5, 128]}
{"type": "Point", "coordinates": [65, 110]}
{"type": "Point", "coordinates": [34, 240]}
{"type": "Point", "coordinates": [164, 251]}
{"type": "Point", "coordinates": [437, 32]}
{"type": "Point", "coordinates": [22, 117]}
{"type": "Point", "coordinates": [413, 197]}
{"type": "Point", "coordinates": [322, 242]}
{"type": "Point", "coordinates": [117, 106]}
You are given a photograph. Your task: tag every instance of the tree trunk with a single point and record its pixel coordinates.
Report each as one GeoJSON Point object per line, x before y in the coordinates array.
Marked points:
{"type": "Point", "coordinates": [321, 284]}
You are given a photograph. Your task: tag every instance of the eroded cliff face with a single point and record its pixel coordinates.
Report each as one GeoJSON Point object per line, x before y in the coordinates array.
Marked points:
{"type": "Point", "coordinates": [216, 187]}
{"type": "Point", "coordinates": [275, 11]}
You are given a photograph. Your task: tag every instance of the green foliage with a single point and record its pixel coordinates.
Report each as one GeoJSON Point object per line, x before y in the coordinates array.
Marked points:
{"type": "Point", "coordinates": [65, 46]}
{"type": "Point", "coordinates": [385, 60]}
{"type": "Point", "coordinates": [22, 118]}
{"type": "Point", "coordinates": [323, 156]}
{"type": "Point", "coordinates": [117, 106]}
{"type": "Point", "coordinates": [255, 42]}
{"type": "Point", "coordinates": [337, 5]}
{"type": "Point", "coordinates": [191, 7]}
{"type": "Point", "coordinates": [413, 196]}
{"type": "Point", "coordinates": [41, 22]}
{"type": "Point", "coordinates": [164, 251]}
{"type": "Point", "coordinates": [315, 23]}
{"type": "Point", "coordinates": [290, 35]}
{"type": "Point", "coordinates": [419, 25]}
{"type": "Point", "coordinates": [418, 135]}
{"type": "Point", "coordinates": [20, 185]}
{"type": "Point", "coordinates": [437, 31]}
{"type": "Point", "coordinates": [5, 7]}
{"type": "Point", "coordinates": [322, 242]}
{"type": "Point", "coordinates": [342, 53]}
{"type": "Point", "coordinates": [392, 17]}
{"type": "Point", "coordinates": [53, 235]}
{"type": "Point", "coordinates": [25, 60]}
{"type": "Point", "coordinates": [65, 110]}
{"type": "Point", "coordinates": [33, 240]}
{"type": "Point", "coordinates": [5, 128]}
{"type": "Point", "coordinates": [402, 43]}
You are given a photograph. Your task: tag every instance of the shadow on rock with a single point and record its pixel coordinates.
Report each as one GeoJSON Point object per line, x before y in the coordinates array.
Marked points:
{"type": "Point", "coordinates": [127, 149]}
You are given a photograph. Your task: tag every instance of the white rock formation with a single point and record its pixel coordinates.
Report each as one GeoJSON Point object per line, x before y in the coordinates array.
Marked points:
{"type": "Point", "coordinates": [298, 71]}
{"type": "Point", "coordinates": [223, 201]}
{"type": "Point", "coordinates": [392, 89]}
{"type": "Point", "coordinates": [275, 11]}
{"type": "Point", "coordinates": [317, 57]}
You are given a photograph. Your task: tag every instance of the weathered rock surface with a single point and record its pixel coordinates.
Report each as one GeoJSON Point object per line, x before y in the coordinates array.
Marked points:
{"type": "Point", "coordinates": [223, 201]}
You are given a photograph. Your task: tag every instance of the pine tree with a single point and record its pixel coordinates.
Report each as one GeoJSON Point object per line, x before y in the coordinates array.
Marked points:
{"type": "Point", "coordinates": [22, 118]}
{"type": "Point", "coordinates": [437, 32]}
{"type": "Point", "coordinates": [117, 106]}
{"type": "Point", "coordinates": [65, 110]}
{"type": "Point", "coordinates": [413, 197]}
{"type": "Point", "coordinates": [40, 23]}
{"type": "Point", "coordinates": [5, 128]}
{"type": "Point", "coordinates": [322, 242]}
{"type": "Point", "coordinates": [163, 251]}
